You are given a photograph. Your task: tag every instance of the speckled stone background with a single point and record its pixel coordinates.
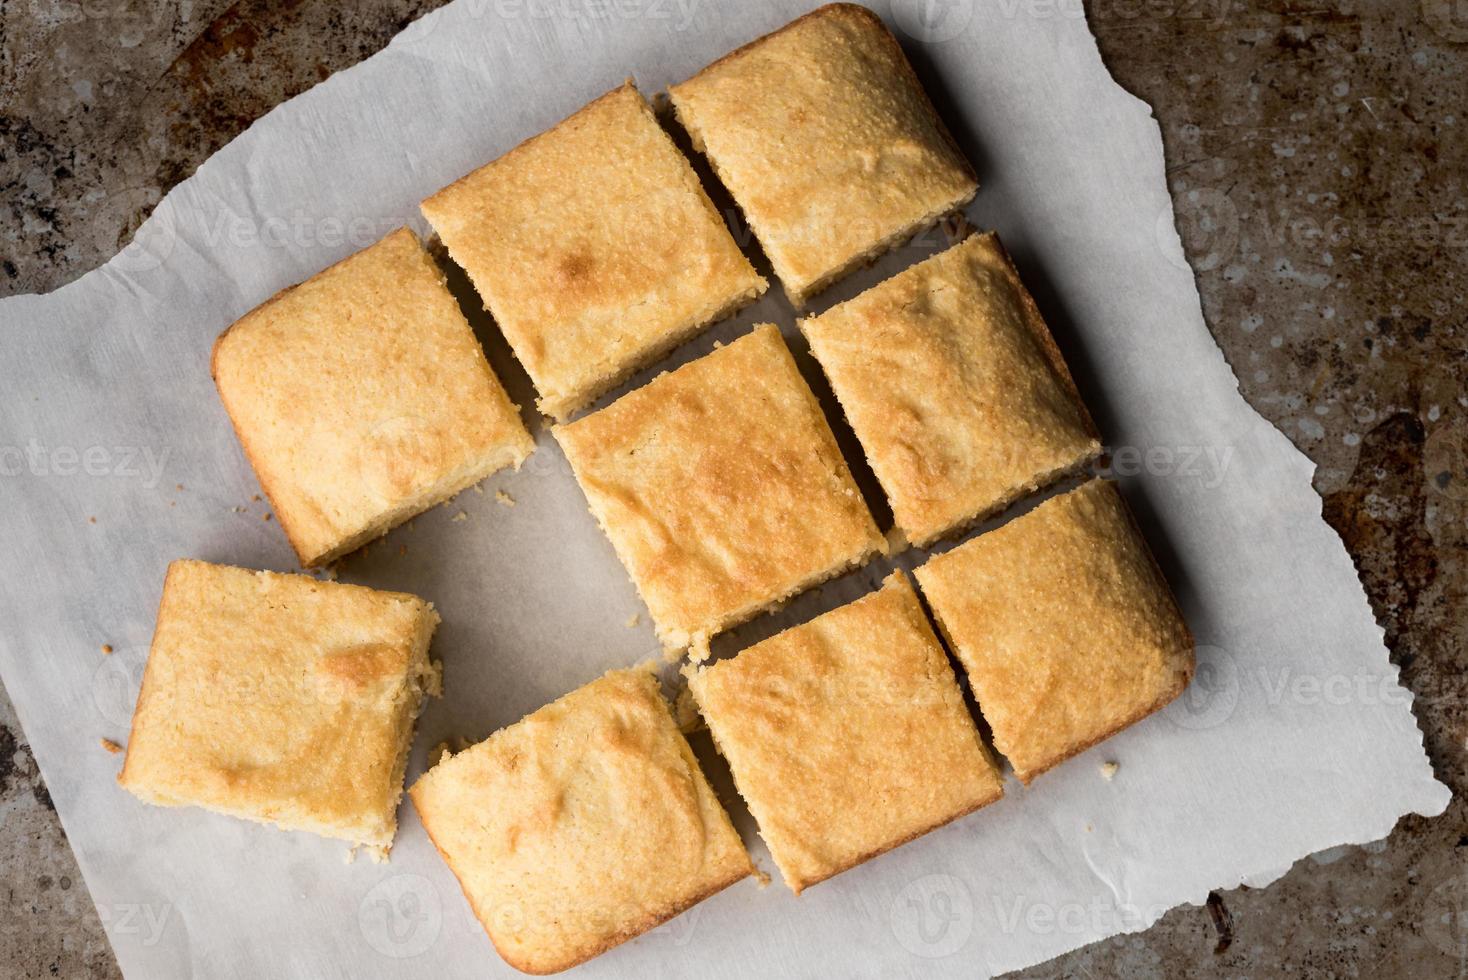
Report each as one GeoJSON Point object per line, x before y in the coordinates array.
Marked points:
{"type": "Point", "coordinates": [1316, 154]}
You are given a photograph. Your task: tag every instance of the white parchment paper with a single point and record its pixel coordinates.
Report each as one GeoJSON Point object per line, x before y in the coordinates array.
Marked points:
{"type": "Point", "coordinates": [1295, 737]}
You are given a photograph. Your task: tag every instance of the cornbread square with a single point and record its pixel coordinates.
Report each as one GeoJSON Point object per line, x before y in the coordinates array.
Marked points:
{"type": "Point", "coordinates": [582, 826]}
{"type": "Point", "coordinates": [1064, 625]}
{"type": "Point", "coordinates": [362, 398]}
{"type": "Point", "coordinates": [847, 736]}
{"type": "Point", "coordinates": [954, 387]}
{"type": "Point", "coordinates": [595, 248]}
{"type": "Point", "coordinates": [825, 138]}
{"type": "Point", "coordinates": [281, 699]}
{"type": "Point", "coordinates": [721, 487]}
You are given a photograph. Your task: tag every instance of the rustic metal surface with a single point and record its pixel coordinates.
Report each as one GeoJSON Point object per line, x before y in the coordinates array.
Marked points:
{"type": "Point", "coordinates": [1316, 156]}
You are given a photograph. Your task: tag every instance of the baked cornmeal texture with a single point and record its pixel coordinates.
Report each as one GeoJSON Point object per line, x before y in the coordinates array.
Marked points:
{"type": "Point", "coordinates": [281, 699]}
{"type": "Point", "coordinates": [721, 488]}
{"type": "Point", "coordinates": [824, 137]}
{"type": "Point", "coordinates": [582, 826]}
{"type": "Point", "coordinates": [595, 248]}
{"type": "Point", "coordinates": [955, 389]}
{"type": "Point", "coordinates": [847, 735]}
{"type": "Point", "coordinates": [1064, 625]}
{"type": "Point", "coordinates": [362, 398]}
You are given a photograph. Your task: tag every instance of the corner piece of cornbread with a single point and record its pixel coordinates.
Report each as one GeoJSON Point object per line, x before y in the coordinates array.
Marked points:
{"type": "Point", "coordinates": [361, 398]}
{"type": "Point", "coordinates": [847, 735]}
{"type": "Point", "coordinates": [595, 248]}
{"type": "Point", "coordinates": [281, 699]}
{"type": "Point", "coordinates": [721, 488]}
{"type": "Point", "coordinates": [955, 388]}
{"type": "Point", "coordinates": [828, 143]}
{"type": "Point", "coordinates": [1064, 625]}
{"type": "Point", "coordinates": [585, 824]}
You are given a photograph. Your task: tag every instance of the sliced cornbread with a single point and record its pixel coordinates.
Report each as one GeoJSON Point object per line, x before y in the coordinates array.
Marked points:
{"type": "Point", "coordinates": [825, 138]}
{"type": "Point", "coordinates": [847, 735]}
{"type": "Point", "coordinates": [594, 247]}
{"type": "Point", "coordinates": [582, 826]}
{"type": "Point", "coordinates": [362, 398]}
{"type": "Point", "coordinates": [954, 387]}
{"type": "Point", "coordinates": [1064, 625]}
{"type": "Point", "coordinates": [281, 699]}
{"type": "Point", "coordinates": [722, 489]}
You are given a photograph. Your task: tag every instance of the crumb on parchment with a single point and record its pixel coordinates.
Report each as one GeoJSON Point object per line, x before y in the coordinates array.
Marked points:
{"type": "Point", "coordinates": [504, 499]}
{"type": "Point", "coordinates": [1108, 770]}
{"type": "Point", "coordinates": [377, 852]}
{"type": "Point", "coordinates": [110, 745]}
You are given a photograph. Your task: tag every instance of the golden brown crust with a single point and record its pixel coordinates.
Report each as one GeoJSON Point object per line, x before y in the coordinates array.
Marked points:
{"type": "Point", "coordinates": [582, 826]}
{"type": "Point", "coordinates": [907, 838]}
{"type": "Point", "coordinates": [1064, 625]}
{"type": "Point", "coordinates": [281, 699]}
{"type": "Point", "coordinates": [824, 136]}
{"type": "Point", "coordinates": [361, 397]}
{"type": "Point", "coordinates": [955, 389]}
{"type": "Point", "coordinates": [1039, 331]}
{"type": "Point", "coordinates": [594, 247]}
{"type": "Point", "coordinates": [647, 924]}
{"type": "Point", "coordinates": [722, 488]}
{"type": "Point", "coordinates": [591, 950]}
{"type": "Point", "coordinates": [847, 735]}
